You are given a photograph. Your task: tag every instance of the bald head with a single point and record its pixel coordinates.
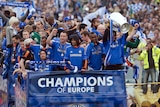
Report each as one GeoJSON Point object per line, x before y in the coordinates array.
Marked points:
{"type": "Point", "coordinates": [101, 28]}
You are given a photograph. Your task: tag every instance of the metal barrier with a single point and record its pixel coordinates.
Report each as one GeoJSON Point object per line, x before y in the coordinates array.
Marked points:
{"type": "Point", "coordinates": [20, 95]}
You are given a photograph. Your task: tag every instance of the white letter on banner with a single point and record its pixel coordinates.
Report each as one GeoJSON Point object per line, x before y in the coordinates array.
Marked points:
{"type": "Point", "coordinates": [59, 82]}
{"type": "Point", "coordinates": [109, 81]}
{"type": "Point", "coordinates": [59, 90]}
{"type": "Point", "coordinates": [85, 81]}
{"type": "Point", "coordinates": [92, 83]}
{"type": "Point", "coordinates": [101, 81]}
{"type": "Point", "coordinates": [49, 82]}
{"type": "Point", "coordinates": [79, 80]}
{"type": "Point", "coordinates": [40, 82]}
{"type": "Point", "coordinates": [69, 82]}
{"type": "Point", "coordinates": [92, 89]}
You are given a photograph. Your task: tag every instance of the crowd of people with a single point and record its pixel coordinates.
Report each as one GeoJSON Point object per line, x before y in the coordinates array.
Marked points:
{"type": "Point", "coordinates": [78, 33]}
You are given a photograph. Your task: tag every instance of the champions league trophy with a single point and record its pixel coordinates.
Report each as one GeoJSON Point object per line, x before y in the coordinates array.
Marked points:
{"type": "Point", "coordinates": [119, 22]}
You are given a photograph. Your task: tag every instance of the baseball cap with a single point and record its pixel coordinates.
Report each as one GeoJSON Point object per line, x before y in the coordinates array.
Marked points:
{"type": "Point", "coordinates": [67, 18]}
{"type": "Point", "coordinates": [29, 17]}
{"type": "Point", "coordinates": [22, 25]}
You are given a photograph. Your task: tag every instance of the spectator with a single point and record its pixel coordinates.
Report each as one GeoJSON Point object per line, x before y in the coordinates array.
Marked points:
{"type": "Point", "coordinates": [25, 34]}
{"type": "Point", "coordinates": [2, 38]}
{"type": "Point", "coordinates": [39, 25]}
{"type": "Point", "coordinates": [71, 27]}
{"type": "Point", "coordinates": [11, 30]}
{"type": "Point", "coordinates": [150, 58]}
{"type": "Point", "coordinates": [7, 15]}
{"type": "Point", "coordinates": [94, 24]}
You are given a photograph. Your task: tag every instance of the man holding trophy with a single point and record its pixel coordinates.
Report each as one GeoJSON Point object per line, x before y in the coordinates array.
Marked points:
{"type": "Point", "coordinates": [115, 38]}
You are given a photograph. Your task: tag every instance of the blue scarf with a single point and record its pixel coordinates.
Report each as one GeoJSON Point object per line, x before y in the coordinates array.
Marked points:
{"type": "Point", "coordinates": [15, 4]}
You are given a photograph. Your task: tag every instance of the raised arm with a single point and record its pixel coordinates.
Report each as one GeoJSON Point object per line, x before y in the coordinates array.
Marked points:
{"type": "Point", "coordinates": [4, 18]}
{"type": "Point", "coordinates": [133, 32]}
{"type": "Point", "coordinates": [23, 18]}
{"type": "Point", "coordinates": [52, 34]}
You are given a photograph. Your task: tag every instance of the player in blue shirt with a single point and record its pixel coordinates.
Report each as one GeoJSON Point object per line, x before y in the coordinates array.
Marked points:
{"type": "Point", "coordinates": [34, 48]}
{"type": "Point", "coordinates": [59, 47]}
{"type": "Point", "coordinates": [95, 53]}
{"type": "Point", "coordinates": [46, 47]}
{"type": "Point", "coordinates": [114, 49]}
{"type": "Point", "coordinates": [76, 55]}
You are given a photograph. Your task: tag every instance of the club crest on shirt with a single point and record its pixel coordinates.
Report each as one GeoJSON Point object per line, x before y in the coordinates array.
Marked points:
{"type": "Point", "coordinates": [71, 51]}
{"type": "Point", "coordinates": [48, 53]}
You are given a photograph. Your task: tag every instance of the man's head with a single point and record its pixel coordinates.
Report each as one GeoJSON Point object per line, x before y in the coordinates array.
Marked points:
{"type": "Point", "coordinates": [39, 24]}
{"type": "Point", "coordinates": [13, 14]}
{"type": "Point", "coordinates": [43, 55]}
{"type": "Point", "coordinates": [101, 28]}
{"type": "Point", "coordinates": [95, 22]}
{"type": "Point", "coordinates": [149, 43]}
{"type": "Point", "coordinates": [25, 34]}
{"type": "Point", "coordinates": [28, 28]}
{"type": "Point", "coordinates": [22, 43]}
{"type": "Point", "coordinates": [31, 19]}
{"type": "Point", "coordinates": [43, 41]}
{"type": "Point", "coordinates": [63, 37]}
{"type": "Point", "coordinates": [82, 27]}
{"type": "Point", "coordinates": [68, 21]}
{"type": "Point", "coordinates": [50, 20]}
{"type": "Point", "coordinates": [85, 36]}
{"type": "Point", "coordinates": [93, 37]}
{"type": "Point", "coordinates": [42, 33]}
{"type": "Point", "coordinates": [15, 39]}
{"type": "Point", "coordinates": [7, 13]}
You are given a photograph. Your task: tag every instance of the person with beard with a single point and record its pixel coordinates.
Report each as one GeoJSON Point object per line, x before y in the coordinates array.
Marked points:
{"type": "Point", "coordinates": [58, 47]}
